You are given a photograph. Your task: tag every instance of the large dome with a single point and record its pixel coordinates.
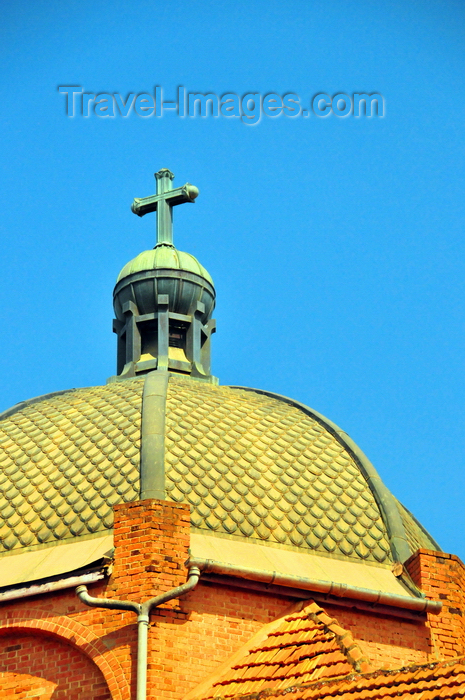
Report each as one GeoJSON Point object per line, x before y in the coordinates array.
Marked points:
{"type": "Point", "coordinates": [253, 466]}
{"type": "Point", "coordinates": [250, 464]}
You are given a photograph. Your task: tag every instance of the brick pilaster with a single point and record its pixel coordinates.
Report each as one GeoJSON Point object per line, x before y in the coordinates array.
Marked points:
{"type": "Point", "coordinates": [151, 547]}
{"type": "Point", "coordinates": [442, 577]}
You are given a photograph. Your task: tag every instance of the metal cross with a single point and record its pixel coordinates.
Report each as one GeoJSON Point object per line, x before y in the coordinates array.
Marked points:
{"type": "Point", "coordinates": [163, 202]}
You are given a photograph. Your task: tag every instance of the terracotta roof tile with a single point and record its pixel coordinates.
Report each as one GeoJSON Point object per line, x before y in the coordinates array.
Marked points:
{"type": "Point", "coordinates": [301, 657]}
{"type": "Point", "coordinates": [304, 646]}
{"type": "Point", "coordinates": [444, 679]}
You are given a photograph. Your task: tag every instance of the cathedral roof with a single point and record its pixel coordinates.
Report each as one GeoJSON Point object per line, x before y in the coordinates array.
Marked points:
{"type": "Point", "coordinates": [254, 467]}
{"type": "Point", "coordinates": [250, 464]}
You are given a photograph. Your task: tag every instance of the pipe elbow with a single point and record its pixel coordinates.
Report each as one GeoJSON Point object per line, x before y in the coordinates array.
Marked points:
{"type": "Point", "coordinates": [82, 593]}
{"type": "Point", "coordinates": [193, 577]}
{"type": "Point", "coordinates": [194, 572]}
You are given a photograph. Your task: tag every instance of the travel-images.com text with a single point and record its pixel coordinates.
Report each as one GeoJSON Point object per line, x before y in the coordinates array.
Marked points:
{"type": "Point", "coordinates": [249, 108]}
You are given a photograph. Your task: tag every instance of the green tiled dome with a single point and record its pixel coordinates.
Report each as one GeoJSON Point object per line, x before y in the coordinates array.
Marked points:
{"type": "Point", "coordinates": [250, 465]}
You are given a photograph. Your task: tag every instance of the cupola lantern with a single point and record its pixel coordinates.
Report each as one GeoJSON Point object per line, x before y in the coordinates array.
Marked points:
{"type": "Point", "coordinates": [164, 298]}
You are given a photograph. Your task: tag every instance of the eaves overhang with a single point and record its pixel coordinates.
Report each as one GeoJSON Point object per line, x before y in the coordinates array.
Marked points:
{"type": "Point", "coordinates": [53, 584]}
{"type": "Point", "coordinates": [298, 574]}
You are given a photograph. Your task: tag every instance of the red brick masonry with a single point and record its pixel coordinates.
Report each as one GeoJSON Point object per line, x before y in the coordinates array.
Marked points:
{"type": "Point", "coordinates": [91, 653]}
{"type": "Point", "coordinates": [441, 576]}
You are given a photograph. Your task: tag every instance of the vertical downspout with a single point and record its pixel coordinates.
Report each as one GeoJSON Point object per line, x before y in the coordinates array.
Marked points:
{"type": "Point", "coordinates": [142, 655]}
{"type": "Point", "coordinates": [143, 617]}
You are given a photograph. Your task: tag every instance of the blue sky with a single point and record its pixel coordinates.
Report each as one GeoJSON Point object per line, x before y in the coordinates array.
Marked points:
{"type": "Point", "coordinates": [336, 244]}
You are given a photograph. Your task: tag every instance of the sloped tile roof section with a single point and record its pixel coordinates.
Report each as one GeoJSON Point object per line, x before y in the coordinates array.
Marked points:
{"type": "Point", "coordinates": [251, 465]}
{"type": "Point", "coordinates": [445, 680]}
{"type": "Point", "coordinates": [66, 461]}
{"type": "Point", "coordinates": [255, 466]}
{"type": "Point", "coordinates": [305, 646]}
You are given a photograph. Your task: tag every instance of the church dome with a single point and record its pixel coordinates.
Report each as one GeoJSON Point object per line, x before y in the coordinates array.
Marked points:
{"type": "Point", "coordinates": [165, 257]}
{"type": "Point", "coordinates": [252, 466]}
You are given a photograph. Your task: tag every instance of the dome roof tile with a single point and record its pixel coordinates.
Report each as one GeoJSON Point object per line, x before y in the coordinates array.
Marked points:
{"type": "Point", "coordinates": [249, 464]}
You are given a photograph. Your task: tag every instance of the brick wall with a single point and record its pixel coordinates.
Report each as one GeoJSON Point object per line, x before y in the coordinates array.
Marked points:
{"type": "Point", "coordinates": [209, 626]}
{"type": "Point", "coordinates": [55, 617]}
{"type": "Point", "coordinates": [53, 669]}
{"type": "Point", "coordinates": [388, 642]}
{"type": "Point", "coordinates": [442, 577]}
{"type": "Point", "coordinates": [188, 638]}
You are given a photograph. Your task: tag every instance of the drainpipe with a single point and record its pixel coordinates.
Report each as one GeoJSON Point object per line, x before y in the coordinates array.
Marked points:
{"type": "Point", "coordinates": [342, 590]}
{"type": "Point", "coordinates": [142, 611]}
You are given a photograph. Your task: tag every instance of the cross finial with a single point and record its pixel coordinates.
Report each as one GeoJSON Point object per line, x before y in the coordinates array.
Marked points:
{"type": "Point", "coordinates": [163, 202]}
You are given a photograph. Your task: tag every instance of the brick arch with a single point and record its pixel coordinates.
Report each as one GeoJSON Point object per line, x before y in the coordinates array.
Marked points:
{"type": "Point", "coordinates": [75, 634]}
{"type": "Point", "coordinates": [44, 666]}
